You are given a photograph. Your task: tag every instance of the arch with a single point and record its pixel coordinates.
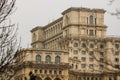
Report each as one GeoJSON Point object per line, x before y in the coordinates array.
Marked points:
{"type": "Point", "coordinates": [48, 59]}
{"type": "Point", "coordinates": [57, 59]}
{"type": "Point", "coordinates": [57, 79]}
{"type": "Point", "coordinates": [38, 58]}
{"type": "Point", "coordinates": [47, 78]}
{"type": "Point", "coordinates": [91, 19]}
{"type": "Point", "coordinates": [38, 78]}
{"type": "Point", "coordinates": [75, 44]}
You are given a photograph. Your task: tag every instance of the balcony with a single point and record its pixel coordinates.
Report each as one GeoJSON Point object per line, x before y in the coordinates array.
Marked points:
{"type": "Point", "coordinates": [43, 65]}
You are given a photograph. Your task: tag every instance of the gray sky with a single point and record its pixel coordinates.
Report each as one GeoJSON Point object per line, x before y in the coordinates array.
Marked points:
{"type": "Point", "coordinates": [32, 13]}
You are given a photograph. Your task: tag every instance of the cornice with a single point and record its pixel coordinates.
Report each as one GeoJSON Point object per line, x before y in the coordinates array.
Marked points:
{"type": "Point", "coordinates": [83, 9]}
{"type": "Point", "coordinates": [102, 26]}
{"type": "Point", "coordinates": [52, 23]}
{"type": "Point", "coordinates": [36, 28]}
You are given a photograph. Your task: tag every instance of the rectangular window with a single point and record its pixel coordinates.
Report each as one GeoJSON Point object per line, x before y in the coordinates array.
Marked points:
{"type": "Point", "coordinates": [101, 54]}
{"type": "Point", "coordinates": [101, 60]}
{"type": "Point", "coordinates": [91, 53]}
{"type": "Point", "coordinates": [91, 32]}
{"type": "Point", "coordinates": [40, 71]}
{"type": "Point", "coordinates": [75, 58]}
{"type": "Point", "coordinates": [36, 71]}
{"type": "Point", "coordinates": [75, 51]}
{"type": "Point", "coordinates": [101, 66]}
{"type": "Point", "coordinates": [91, 66]}
{"type": "Point", "coordinates": [117, 53]}
{"type": "Point", "coordinates": [91, 59]}
{"type": "Point", "coordinates": [117, 46]}
{"type": "Point", "coordinates": [101, 46]}
{"type": "Point", "coordinates": [50, 71]}
{"type": "Point", "coordinates": [83, 59]}
{"type": "Point", "coordinates": [116, 59]}
{"type": "Point", "coordinates": [83, 65]}
{"type": "Point", "coordinates": [83, 52]}
{"type": "Point", "coordinates": [117, 66]}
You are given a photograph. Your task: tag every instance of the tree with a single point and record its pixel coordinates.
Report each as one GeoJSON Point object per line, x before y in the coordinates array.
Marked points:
{"type": "Point", "coordinates": [8, 40]}
{"type": "Point", "coordinates": [117, 10]}
{"type": "Point", "coordinates": [32, 76]}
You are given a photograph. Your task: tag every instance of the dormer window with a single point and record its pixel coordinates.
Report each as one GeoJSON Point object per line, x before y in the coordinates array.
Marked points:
{"type": "Point", "coordinates": [91, 20]}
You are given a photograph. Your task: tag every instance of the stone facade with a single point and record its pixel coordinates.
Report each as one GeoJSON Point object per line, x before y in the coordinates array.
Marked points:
{"type": "Point", "coordinates": [73, 47]}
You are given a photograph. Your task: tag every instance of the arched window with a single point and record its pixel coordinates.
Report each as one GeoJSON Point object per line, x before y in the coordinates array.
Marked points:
{"type": "Point", "coordinates": [75, 44]}
{"type": "Point", "coordinates": [38, 58]}
{"type": "Point", "coordinates": [48, 59]}
{"type": "Point", "coordinates": [57, 59]}
{"type": "Point", "coordinates": [91, 19]}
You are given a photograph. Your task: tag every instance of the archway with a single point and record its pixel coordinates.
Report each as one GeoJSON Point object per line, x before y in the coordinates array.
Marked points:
{"type": "Point", "coordinates": [47, 78]}
{"type": "Point", "coordinates": [57, 79]}
{"type": "Point", "coordinates": [38, 78]}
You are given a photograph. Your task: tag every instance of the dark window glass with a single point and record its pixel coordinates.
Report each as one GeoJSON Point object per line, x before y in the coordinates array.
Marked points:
{"type": "Point", "coordinates": [48, 59]}
{"type": "Point", "coordinates": [83, 45]}
{"type": "Point", "coordinates": [75, 44]}
{"type": "Point", "coordinates": [91, 45]}
{"type": "Point", "coordinates": [57, 59]}
{"type": "Point", "coordinates": [117, 46]}
{"type": "Point", "coordinates": [83, 59]}
{"type": "Point", "coordinates": [38, 58]}
{"type": "Point", "coordinates": [91, 20]}
{"type": "Point", "coordinates": [91, 32]}
{"type": "Point", "coordinates": [75, 51]}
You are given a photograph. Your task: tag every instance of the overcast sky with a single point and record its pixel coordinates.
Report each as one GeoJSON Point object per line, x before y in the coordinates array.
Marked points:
{"type": "Point", "coordinates": [32, 13]}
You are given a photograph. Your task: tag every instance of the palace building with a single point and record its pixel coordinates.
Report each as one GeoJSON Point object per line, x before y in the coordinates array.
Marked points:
{"type": "Point", "coordinates": [73, 47]}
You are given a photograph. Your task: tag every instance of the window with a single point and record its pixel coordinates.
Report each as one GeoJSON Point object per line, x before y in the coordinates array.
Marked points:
{"type": "Point", "coordinates": [60, 72]}
{"type": "Point", "coordinates": [91, 66]}
{"type": "Point", "coordinates": [83, 59]}
{"type": "Point", "coordinates": [75, 51]}
{"type": "Point", "coordinates": [36, 71]}
{"type": "Point", "coordinates": [40, 71]}
{"type": "Point", "coordinates": [91, 20]}
{"type": "Point", "coordinates": [50, 71]}
{"type": "Point", "coordinates": [91, 45]}
{"type": "Point", "coordinates": [91, 59]}
{"type": "Point", "coordinates": [83, 45]}
{"type": "Point", "coordinates": [48, 59]}
{"type": "Point", "coordinates": [57, 59]}
{"type": "Point", "coordinates": [117, 66]}
{"type": "Point", "coordinates": [101, 54]}
{"type": "Point", "coordinates": [101, 60]}
{"type": "Point", "coordinates": [91, 32]}
{"type": "Point", "coordinates": [83, 65]}
{"type": "Point", "coordinates": [38, 58]}
{"type": "Point", "coordinates": [55, 72]}
{"type": "Point", "coordinates": [75, 44]}
{"type": "Point", "coordinates": [76, 66]}
{"type": "Point", "coordinates": [101, 66]}
{"type": "Point", "coordinates": [117, 46]}
{"type": "Point", "coordinates": [75, 58]}
{"type": "Point", "coordinates": [101, 46]}
{"type": "Point", "coordinates": [91, 53]}
{"type": "Point", "coordinates": [84, 52]}
{"type": "Point", "coordinates": [117, 53]}
{"type": "Point", "coordinates": [45, 71]}
{"type": "Point", "coordinates": [116, 59]}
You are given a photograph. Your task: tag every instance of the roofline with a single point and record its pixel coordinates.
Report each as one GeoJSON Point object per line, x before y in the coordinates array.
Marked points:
{"type": "Point", "coordinates": [83, 9]}
{"type": "Point", "coordinates": [53, 22]}
{"type": "Point", "coordinates": [36, 28]}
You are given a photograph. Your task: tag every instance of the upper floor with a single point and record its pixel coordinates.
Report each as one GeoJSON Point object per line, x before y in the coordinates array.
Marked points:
{"type": "Point", "coordinates": [73, 23]}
